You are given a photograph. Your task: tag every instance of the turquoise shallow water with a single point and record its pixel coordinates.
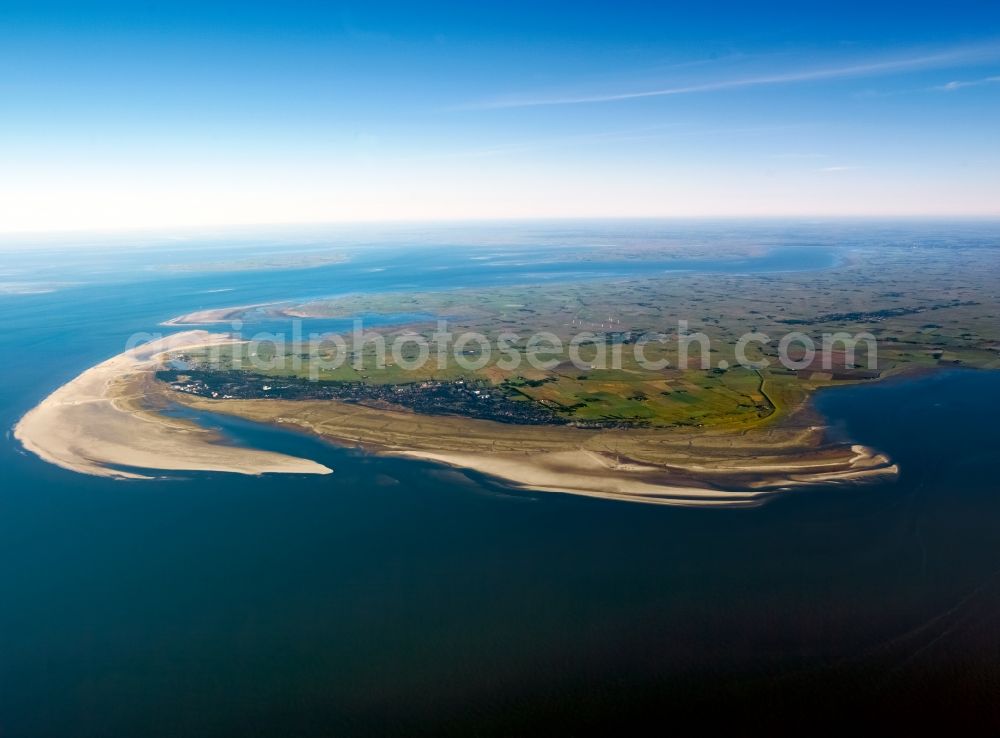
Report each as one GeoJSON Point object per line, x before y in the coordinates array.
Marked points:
{"type": "Point", "coordinates": [398, 597]}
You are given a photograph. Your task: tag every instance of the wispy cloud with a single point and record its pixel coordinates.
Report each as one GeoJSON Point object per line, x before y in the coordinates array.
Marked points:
{"type": "Point", "coordinates": [864, 68]}
{"type": "Point", "coordinates": [834, 170]}
{"type": "Point", "coordinates": [960, 84]}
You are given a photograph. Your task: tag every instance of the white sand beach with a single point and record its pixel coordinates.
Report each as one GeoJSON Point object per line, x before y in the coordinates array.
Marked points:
{"type": "Point", "coordinates": [89, 426]}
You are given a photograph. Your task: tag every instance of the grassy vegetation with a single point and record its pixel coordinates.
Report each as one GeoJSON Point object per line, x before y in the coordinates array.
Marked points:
{"type": "Point", "coordinates": [926, 307]}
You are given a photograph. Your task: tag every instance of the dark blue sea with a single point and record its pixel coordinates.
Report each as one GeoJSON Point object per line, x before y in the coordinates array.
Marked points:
{"type": "Point", "coordinates": [397, 597]}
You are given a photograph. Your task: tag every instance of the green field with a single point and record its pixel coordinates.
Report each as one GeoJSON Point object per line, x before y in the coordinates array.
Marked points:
{"type": "Point", "coordinates": [924, 307]}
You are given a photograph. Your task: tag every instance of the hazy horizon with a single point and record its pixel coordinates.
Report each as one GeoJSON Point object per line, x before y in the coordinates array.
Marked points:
{"type": "Point", "coordinates": [166, 234]}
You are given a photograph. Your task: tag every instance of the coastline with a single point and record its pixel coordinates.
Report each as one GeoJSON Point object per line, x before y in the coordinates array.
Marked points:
{"type": "Point", "coordinates": [93, 424]}
{"type": "Point", "coordinates": [107, 418]}
{"type": "Point", "coordinates": [579, 478]}
{"type": "Point", "coordinates": [213, 315]}
{"type": "Point", "coordinates": [683, 469]}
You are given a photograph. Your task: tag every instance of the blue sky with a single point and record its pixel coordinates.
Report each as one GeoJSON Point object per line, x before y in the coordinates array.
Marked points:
{"type": "Point", "coordinates": [141, 114]}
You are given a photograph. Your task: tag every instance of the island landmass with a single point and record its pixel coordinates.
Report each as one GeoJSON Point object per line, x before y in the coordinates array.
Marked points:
{"type": "Point", "coordinates": [701, 429]}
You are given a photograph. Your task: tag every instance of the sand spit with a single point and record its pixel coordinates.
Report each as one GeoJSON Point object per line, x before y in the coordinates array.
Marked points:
{"type": "Point", "coordinates": [579, 473]}
{"type": "Point", "coordinates": [586, 473]}
{"type": "Point", "coordinates": [93, 424]}
{"type": "Point", "coordinates": [637, 465]}
{"type": "Point", "coordinates": [214, 315]}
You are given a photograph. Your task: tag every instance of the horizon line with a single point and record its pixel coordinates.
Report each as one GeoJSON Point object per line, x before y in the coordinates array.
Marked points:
{"type": "Point", "coordinates": [796, 217]}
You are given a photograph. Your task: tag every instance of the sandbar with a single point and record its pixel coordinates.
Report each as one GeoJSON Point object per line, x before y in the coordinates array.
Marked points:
{"type": "Point", "coordinates": [96, 425]}
{"type": "Point", "coordinates": [638, 465]}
